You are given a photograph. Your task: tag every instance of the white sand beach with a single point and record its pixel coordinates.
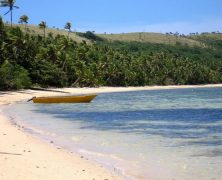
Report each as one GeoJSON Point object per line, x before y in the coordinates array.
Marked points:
{"type": "Point", "coordinates": [24, 157]}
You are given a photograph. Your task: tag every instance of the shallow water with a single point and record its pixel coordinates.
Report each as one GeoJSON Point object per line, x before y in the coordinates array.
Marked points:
{"type": "Point", "coordinates": [158, 134]}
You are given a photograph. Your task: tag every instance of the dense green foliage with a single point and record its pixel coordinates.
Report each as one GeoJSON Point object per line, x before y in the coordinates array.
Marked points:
{"type": "Point", "coordinates": [13, 77]}
{"type": "Point", "coordinates": [210, 56]}
{"type": "Point", "coordinates": [90, 35]}
{"type": "Point", "coordinates": [34, 60]}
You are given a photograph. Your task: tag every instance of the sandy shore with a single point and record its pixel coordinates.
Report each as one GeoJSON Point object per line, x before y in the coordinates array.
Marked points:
{"type": "Point", "coordinates": [14, 96]}
{"type": "Point", "coordinates": [24, 157]}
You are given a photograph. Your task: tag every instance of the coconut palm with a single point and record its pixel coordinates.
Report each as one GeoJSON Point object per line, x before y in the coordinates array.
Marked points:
{"type": "Point", "coordinates": [43, 26]}
{"type": "Point", "coordinates": [10, 4]}
{"type": "Point", "coordinates": [24, 19]}
{"type": "Point", "coordinates": [68, 27]}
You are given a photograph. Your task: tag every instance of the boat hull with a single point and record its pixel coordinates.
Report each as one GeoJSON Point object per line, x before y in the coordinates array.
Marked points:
{"type": "Point", "coordinates": [65, 99]}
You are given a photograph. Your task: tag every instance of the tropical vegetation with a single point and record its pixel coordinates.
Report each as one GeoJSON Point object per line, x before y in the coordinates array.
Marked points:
{"type": "Point", "coordinates": [43, 26]}
{"type": "Point", "coordinates": [47, 60]}
{"type": "Point", "coordinates": [24, 20]}
{"type": "Point", "coordinates": [10, 4]}
{"type": "Point", "coordinates": [68, 26]}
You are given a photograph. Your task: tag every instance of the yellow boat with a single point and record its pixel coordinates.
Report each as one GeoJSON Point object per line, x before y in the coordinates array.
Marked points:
{"type": "Point", "coordinates": [64, 99]}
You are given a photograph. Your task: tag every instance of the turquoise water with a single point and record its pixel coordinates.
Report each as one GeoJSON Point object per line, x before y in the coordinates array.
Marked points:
{"type": "Point", "coordinates": [158, 134]}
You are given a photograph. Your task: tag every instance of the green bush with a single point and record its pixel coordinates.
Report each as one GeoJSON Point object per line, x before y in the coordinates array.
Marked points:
{"type": "Point", "coordinates": [48, 74]}
{"type": "Point", "coordinates": [90, 35]}
{"type": "Point", "coordinates": [13, 77]}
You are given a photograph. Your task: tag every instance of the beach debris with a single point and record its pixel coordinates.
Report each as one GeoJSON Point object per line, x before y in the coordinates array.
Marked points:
{"type": "Point", "coordinates": [43, 89]}
{"type": "Point", "coordinates": [9, 153]}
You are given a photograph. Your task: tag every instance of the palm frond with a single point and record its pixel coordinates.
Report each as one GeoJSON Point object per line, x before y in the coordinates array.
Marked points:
{"type": "Point", "coordinates": [16, 7]}
{"type": "Point", "coordinates": [4, 4]}
{"type": "Point", "coordinates": [4, 1]}
{"type": "Point", "coordinates": [7, 3]}
{"type": "Point", "coordinates": [7, 12]}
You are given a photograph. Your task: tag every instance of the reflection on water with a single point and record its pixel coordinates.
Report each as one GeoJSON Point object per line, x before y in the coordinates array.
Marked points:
{"type": "Point", "coordinates": [175, 132]}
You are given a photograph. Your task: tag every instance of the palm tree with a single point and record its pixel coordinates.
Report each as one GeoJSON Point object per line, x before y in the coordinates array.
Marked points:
{"type": "Point", "coordinates": [10, 4]}
{"type": "Point", "coordinates": [24, 19]}
{"type": "Point", "coordinates": [68, 27]}
{"type": "Point", "coordinates": [43, 26]}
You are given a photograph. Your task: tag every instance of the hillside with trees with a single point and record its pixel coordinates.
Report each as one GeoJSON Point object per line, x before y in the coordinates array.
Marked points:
{"type": "Point", "coordinates": [44, 59]}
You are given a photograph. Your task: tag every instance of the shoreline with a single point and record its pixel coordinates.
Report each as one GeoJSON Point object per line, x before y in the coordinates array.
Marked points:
{"type": "Point", "coordinates": [24, 156]}
{"type": "Point", "coordinates": [7, 97]}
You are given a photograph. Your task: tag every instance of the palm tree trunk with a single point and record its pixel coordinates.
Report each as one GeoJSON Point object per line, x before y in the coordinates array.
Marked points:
{"type": "Point", "coordinates": [11, 18]}
{"type": "Point", "coordinates": [25, 28]}
{"type": "Point", "coordinates": [74, 84]}
{"type": "Point", "coordinates": [68, 34]}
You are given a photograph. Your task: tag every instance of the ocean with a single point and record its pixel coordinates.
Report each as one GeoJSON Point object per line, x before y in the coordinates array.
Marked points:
{"type": "Point", "coordinates": [154, 134]}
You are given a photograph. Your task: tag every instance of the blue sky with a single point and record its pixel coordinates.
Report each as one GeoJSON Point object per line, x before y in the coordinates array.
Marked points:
{"type": "Point", "coordinates": [117, 16]}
